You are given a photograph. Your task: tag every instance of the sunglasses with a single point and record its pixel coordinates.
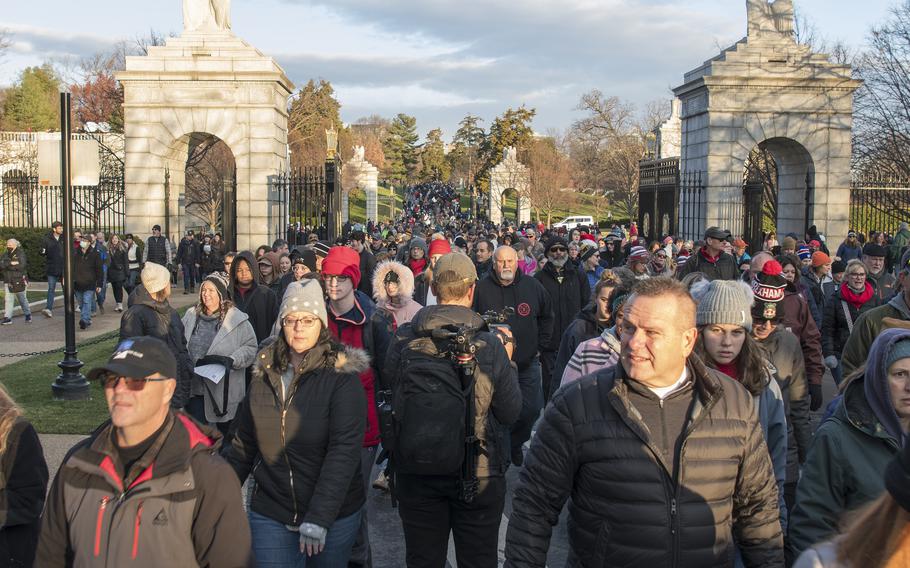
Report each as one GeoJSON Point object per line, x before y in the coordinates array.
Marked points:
{"type": "Point", "coordinates": [110, 381]}
{"type": "Point", "coordinates": [558, 249]}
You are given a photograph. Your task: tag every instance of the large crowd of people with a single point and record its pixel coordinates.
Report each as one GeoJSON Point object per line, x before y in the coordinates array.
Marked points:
{"type": "Point", "coordinates": [669, 394]}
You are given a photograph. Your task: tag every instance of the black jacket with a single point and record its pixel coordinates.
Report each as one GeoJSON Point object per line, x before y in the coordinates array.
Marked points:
{"type": "Point", "coordinates": [584, 327]}
{"type": "Point", "coordinates": [367, 266]}
{"type": "Point", "coordinates": [52, 249]}
{"type": "Point", "coordinates": [187, 251]}
{"type": "Point", "coordinates": [24, 475]}
{"type": "Point", "coordinates": [724, 269]}
{"type": "Point", "coordinates": [260, 302]}
{"type": "Point", "coordinates": [532, 322]}
{"type": "Point", "coordinates": [13, 266]}
{"type": "Point", "coordinates": [483, 268]}
{"type": "Point", "coordinates": [146, 317]}
{"type": "Point", "coordinates": [157, 250]}
{"type": "Point", "coordinates": [211, 261]}
{"type": "Point", "coordinates": [421, 288]}
{"type": "Point", "coordinates": [119, 268]}
{"type": "Point", "coordinates": [626, 507]}
{"type": "Point", "coordinates": [569, 293]}
{"type": "Point", "coordinates": [835, 329]}
{"type": "Point", "coordinates": [87, 270]}
{"type": "Point", "coordinates": [497, 396]}
{"type": "Point", "coordinates": [179, 505]}
{"type": "Point", "coordinates": [303, 449]}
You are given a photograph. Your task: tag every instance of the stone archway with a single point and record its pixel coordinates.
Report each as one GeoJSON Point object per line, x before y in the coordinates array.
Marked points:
{"type": "Point", "coordinates": [769, 90]}
{"type": "Point", "coordinates": [213, 83]}
{"type": "Point", "coordinates": [359, 174]}
{"type": "Point", "coordinates": [778, 182]}
{"type": "Point", "coordinates": [509, 175]}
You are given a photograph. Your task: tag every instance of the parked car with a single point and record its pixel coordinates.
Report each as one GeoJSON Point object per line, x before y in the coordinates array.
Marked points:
{"type": "Point", "coordinates": [571, 222]}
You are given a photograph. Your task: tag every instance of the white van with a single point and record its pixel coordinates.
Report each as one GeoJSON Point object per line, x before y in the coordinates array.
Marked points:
{"type": "Point", "coordinates": [571, 222]}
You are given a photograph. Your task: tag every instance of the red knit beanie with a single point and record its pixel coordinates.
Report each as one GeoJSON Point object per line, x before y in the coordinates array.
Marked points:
{"type": "Point", "coordinates": [440, 246]}
{"type": "Point", "coordinates": [343, 261]}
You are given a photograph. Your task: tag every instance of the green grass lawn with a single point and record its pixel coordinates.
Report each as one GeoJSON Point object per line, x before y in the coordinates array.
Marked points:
{"type": "Point", "coordinates": [29, 382]}
{"type": "Point", "coordinates": [358, 205]}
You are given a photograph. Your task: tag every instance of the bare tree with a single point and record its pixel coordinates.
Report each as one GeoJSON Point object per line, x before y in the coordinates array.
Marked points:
{"type": "Point", "coordinates": [209, 169]}
{"type": "Point", "coordinates": [549, 187]}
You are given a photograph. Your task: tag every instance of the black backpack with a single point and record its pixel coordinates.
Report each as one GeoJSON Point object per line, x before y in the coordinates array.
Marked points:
{"type": "Point", "coordinates": [432, 406]}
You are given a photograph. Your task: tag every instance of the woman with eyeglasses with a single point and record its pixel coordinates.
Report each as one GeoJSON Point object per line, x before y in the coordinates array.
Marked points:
{"type": "Point", "coordinates": [299, 435]}
{"type": "Point", "coordinates": [853, 297]}
{"type": "Point", "coordinates": [217, 333]}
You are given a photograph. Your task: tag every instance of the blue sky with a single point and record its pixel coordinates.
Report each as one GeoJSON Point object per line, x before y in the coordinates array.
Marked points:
{"type": "Point", "coordinates": [441, 59]}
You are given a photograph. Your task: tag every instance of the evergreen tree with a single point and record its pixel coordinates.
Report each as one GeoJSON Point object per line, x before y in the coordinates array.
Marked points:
{"type": "Point", "coordinates": [33, 103]}
{"type": "Point", "coordinates": [400, 148]}
{"type": "Point", "coordinates": [434, 166]}
{"type": "Point", "coordinates": [513, 128]}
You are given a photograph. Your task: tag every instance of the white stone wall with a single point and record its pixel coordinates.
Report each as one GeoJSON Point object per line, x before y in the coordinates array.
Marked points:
{"type": "Point", "coordinates": [767, 89]}
{"type": "Point", "coordinates": [357, 173]}
{"type": "Point", "coordinates": [215, 84]}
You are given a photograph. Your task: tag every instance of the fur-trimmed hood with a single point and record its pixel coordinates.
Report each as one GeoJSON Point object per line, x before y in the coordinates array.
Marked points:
{"type": "Point", "coordinates": [405, 278]}
{"type": "Point", "coordinates": [351, 360]}
{"type": "Point", "coordinates": [342, 359]}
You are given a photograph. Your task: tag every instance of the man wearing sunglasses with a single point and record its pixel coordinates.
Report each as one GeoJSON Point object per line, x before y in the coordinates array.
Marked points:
{"type": "Point", "coordinates": [147, 488]}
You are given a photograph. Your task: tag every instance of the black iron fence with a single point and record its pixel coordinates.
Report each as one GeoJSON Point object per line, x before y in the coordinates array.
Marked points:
{"type": "Point", "coordinates": [24, 202]}
{"type": "Point", "coordinates": [308, 197]}
{"type": "Point", "coordinates": [879, 203]}
{"type": "Point", "coordinates": [671, 201]}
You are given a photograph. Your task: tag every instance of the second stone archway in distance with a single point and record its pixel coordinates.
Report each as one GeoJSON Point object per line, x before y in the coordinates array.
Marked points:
{"type": "Point", "coordinates": [509, 175]}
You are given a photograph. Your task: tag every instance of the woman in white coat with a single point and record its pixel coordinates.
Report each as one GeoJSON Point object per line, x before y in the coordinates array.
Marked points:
{"type": "Point", "coordinates": [217, 333]}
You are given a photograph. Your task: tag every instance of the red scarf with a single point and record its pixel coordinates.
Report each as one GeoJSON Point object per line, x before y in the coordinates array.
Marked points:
{"type": "Point", "coordinates": [854, 299]}
{"type": "Point", "coordinates": [417, 266]}
{"type": "Point", "coordinates": [708, 257]}
{"type": "Point", "coordinates": [730, 369]}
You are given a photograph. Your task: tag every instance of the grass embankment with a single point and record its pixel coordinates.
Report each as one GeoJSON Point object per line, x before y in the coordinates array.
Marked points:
{"type": "Point", "coordinates": [29, 382]}
{"type": "Point", "coordinates": [32, 295]}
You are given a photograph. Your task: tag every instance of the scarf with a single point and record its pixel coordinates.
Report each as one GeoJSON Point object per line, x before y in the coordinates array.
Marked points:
{"type": "Point", "coordinates": [729, 369]}
{"type": "Point", "coordinates": [857, 300]}
{"type": "Point", "coordinates": [707, 255]}
{"type": "Point", "coordinates": [417, 266]}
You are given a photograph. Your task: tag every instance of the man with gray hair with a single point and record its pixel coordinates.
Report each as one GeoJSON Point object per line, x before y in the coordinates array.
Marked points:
{"type": "Point", "coordinates": [13, 269]}
{"type": "Point", "coordinates": [532, 325]}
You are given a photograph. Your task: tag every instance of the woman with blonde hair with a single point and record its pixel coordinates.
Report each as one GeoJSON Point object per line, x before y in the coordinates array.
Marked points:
{"type": "Point", "coordinates": [23, 485]}
{"type": "Point", "coordinates": [877, 536]}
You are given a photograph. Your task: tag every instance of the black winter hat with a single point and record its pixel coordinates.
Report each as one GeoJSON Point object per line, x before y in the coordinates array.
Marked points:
{"type": "Point", "coordinates": [872, 249]}
{"type": "Point", "coordinates": [556, 240]}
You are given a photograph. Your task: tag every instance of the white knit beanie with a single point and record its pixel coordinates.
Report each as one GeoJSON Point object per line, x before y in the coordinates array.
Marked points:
{"type": "Point", "coordinates": [723, 302]}
{"type": "Point", "coordinates": [304, 296]}
{"type": "Point", "coordinates": [155, 277]}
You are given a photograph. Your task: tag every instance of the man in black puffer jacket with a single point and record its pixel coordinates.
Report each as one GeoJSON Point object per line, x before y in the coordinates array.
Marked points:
{"type": "Point", "coordinates": [569, 293]}
{"type": "Point", "coordinates": [664, 459]}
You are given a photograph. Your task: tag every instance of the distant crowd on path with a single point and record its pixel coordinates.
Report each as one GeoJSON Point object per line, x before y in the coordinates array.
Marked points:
{"type": "Point", "coordinates": [666, 387]}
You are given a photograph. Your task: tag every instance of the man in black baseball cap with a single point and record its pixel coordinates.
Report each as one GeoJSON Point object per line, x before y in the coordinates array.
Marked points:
{"type": "Point", "coordinates": [147, 458]}
{"type": "Point", "coordinates": [711, 260]}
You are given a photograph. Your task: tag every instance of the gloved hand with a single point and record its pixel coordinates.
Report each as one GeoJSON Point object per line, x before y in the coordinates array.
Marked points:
{"type": "Point", "coordinates": [815, 395]}
{"type": "Point", "coordinates": [312, 538]}
{"type": "Point", "coordinates": [831, 362]}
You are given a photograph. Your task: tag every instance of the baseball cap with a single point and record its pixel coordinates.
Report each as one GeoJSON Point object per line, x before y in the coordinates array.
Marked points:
{"type": "Point", "coordinates": [453, 267]}
{"type": "Point", "coordinates": [139, 357]}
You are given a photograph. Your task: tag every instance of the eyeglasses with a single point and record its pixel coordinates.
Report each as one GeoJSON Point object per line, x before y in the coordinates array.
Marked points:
{"type": "Point", "coordinates": [110, 381]}
{"type": "Point", "coordinates": [338, 278]}
{"type": "Point", "coordinates": [296, 323]}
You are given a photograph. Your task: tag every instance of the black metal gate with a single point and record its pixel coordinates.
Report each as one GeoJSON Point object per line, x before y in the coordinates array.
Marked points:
{"type": "Point", "coordinates": [879, 203]}
{"type": "Point", "coordinates": [309, 198]}
{"type": "Point", "coordinates": [753, 213]}
{"type": "Point", "coordinates": [658, 198]}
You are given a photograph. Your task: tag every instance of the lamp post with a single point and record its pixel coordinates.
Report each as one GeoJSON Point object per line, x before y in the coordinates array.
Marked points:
{"type": "Point", "coordinates": [70, 384]}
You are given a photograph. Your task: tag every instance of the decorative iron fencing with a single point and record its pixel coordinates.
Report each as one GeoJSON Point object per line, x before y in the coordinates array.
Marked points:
{"type": "Point", "coordinates": [670, 201]}
{"type": "Point", "coordinates": [879, 203]}
{"type": "Point", "coordinates": [306, 197]}
{"type": "Point", "coordinates": [26, 203]}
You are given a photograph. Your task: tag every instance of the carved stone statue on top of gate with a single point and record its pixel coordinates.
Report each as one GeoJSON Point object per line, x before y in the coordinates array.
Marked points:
{"type": "Point", "coordinates": [770, 19]}
{"type": "Point", "coordinates": [206, 15]}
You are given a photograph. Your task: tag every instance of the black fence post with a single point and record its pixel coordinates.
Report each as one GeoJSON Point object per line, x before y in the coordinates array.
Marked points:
{"type": "Point", "coordinates": [70, 384]}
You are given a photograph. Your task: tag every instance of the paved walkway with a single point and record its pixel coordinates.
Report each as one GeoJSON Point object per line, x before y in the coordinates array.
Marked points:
{"type": "Point", "coordinates": [47, 333]}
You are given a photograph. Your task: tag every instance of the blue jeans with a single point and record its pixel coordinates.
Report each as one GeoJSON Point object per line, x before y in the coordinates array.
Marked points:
{"type": "Point", "coordinates": [531, 403]}
{"type": "Point", "coordinates": [274, 546]}
{"type": "Point", "coordinates": [86, 304]}
{"type": "Point", "coordinates": [10, 300]}
{"type": "Point", "coordinates": [103, 293]}
{"type": "Point", "coordinates": [189, 276]}
{"type": "Point", "coordinates": [52, 290]}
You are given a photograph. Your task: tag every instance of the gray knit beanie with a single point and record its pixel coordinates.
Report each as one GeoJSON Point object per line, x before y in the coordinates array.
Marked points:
{"type": "Point", "coordinates": [304, 296]}
{"type": "Point", "coordinates": [723, 302]}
